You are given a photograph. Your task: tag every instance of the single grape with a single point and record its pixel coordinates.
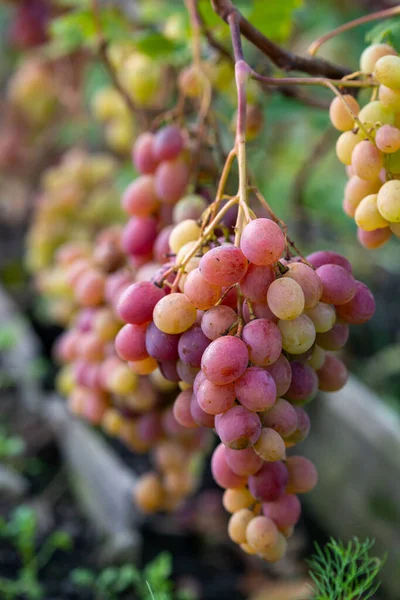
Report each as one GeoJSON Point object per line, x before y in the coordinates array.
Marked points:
{"type": "Point", "coordinates": [308, 280]}
{"type": "Point", "coordinates": [317, 358]}
{"type": "Point", "coordinates": [339, 115]}
{"type": "Point", "coordinates": [130, 342]}
{"type": "Point", "coordinates": [191, 346]}
{"type": "Point", "coordinates": [216, 321]}
{"type": "Point", "coordinates": [182, 411]}
{"type": "Point", "coordinates": [345, 145]}
{"type": "Point", "coordinates": [256, 389]}
{"type": "Point", "coordinates": [356, 189]}
{"type": "Point", "coordinates": [304, 384]}
{"type": "Point", "coordinates": [374, 239]}
{"type": "Point", "coordinates": [367, 161]}
{"type": "Point", "coordinates": [191, 206]}
{"type": "Point", "coordinates": [225, 360]}
{"type": "Point", "coordinates": [237, 498]}
{"type": "Point", "coordinates": [387, 71]}
{"type": "Point", "coordinates": [389, 98]}
{"type": "Point", "coordinates": [282, 374]}
{"type": "Point", "coordinates": [223, 265]}
{"type": "Point", "coordinates": [263, 340]}
{"type": "Point", "coordinates": [332, 375]}
{"type": "Point", "coordinates": [361, 307]}
{"type": "Point", "coordinates": [387, 139]}
{"type": "Point", "coordinates": [221, 471]}
{"type": "Point", "coordinates": [285, 298]}
{"type": "Point", "coordinates": [323, 316]}
{"type": "Point", "coordinates": [281, 417]}
{"type": "Point", "coordinates": [89, 289]}
{"type": "Point", "coordinates": [238, 523]}
{"type": "Point", "coordinates": [277, 552]}
{"type": "Point", "coordinates": [254, 285]}
{"type": "Point", "coordinates": [327, 257]}
{"type": "Point", "coordinates": [169, 370]}
{"type": "Point", "coordinates": [143, 158]}
{"type": "Point", "coordinates": [167, 143]}
{"type": "Point", "coordinates": [298, 335]}
{"type": "Point", "coordinates": [367, 215]}
{"type": "Point", "coordinates": [285, 512]}
{"type": "Point", "coordinates": [389, 201]}
{"type": "Point", "coordinates": [200, 292]}
{"type": "Point", "coordinates": [269, 483]}
{"type": "Point", "coordinates": [149, 493]}
{"type": "Point", "coordinates": [262, 242]}
{"type": "Point", "coordinates": [376, 113]}
{"type": "Point", "coordinates": [302, 430]}
{"type": "Point", "coordinates": [161, 346]}
{"type": "Point", "coordinates": [143, 367]}
{"type": "Point", "coordinates": [187, 374]}
{"type": "Point", "coordinates": [334, 339]}
{"type": "Point", "coordinates": [302, 475]}
{"type": "Point", "coordinates": [171, 180]}
{"type": "Point", "coordinates": [139, 236]}
{"type": "Point", "coordinates": [137, 302]}
{"type": "Point", "coordinates": [139, 198]}
{"type": "Point", "coordinates": [270, 445]}
{"type": "Point", "coordinates": [174, 313]}
{"type": "Point", "coordinates": [199, 415]}
{"type": "Point", "coordinates": [243, 462]}
{"type": "Point", "coordinates": [338, 284]}
{"type": "Point", "coordinates": [215, 399]}
{"type": "Point", "coordinates": [238, 427]}
{"type": "Point", "coordinates": [184, 232]}
{"type": "Point", "coordinates": [372, 54]}
{"type": "Point", "coordinates": [261, 534]}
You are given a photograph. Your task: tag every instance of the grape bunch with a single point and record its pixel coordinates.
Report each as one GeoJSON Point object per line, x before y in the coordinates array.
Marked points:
{"type": "Point", "coordinates": [370, 148]}
{"type": "Point", "coordinates": [248, 336]}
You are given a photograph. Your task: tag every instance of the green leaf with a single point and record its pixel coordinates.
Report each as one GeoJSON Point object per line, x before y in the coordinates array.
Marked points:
{"type": "Point", "coordinates": [83, 577]}
{"type": "Point", "coordinates": [128, 574]}
{"type": "Point", "coordinates": [159, 569]}
{"type": "Point", "coordinates": [107, 579]}
{"type": "Point", "coordinates": [154, 44]}
{"type": "Point", "coordinates": [386, 31]}
{"type": "Point", "coordinates": [275, 18]}
{"type": "Point", "coordinates": [61, 539]}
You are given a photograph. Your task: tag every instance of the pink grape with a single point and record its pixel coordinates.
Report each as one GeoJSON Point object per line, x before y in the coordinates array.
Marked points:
{"type": "Point", "coordinates": [130, 342]}
{"type": "Point", "coordinates": [302, 430]}
{"type": "Point", "coordinates": [327, 257]}
{"type": "Point", "coordinates": [243, 462]}
{"type": "Point", "coordinates": [335, 338]}
{"type": "Point", "coordinates": [304, 384]}
{"type": "Point", "coordinates": [332, 375]}
{"type": "Point", "coordinates": [160, 345]}
{"type": "Point", "coordinates": [143, 158]}
{"type": "Point", "coordinates": [339, 286]}
{"type": "Point", "coordinates": [269, 483]}
{"type": "Point", "coordinates": [221, 471]}
{"type": "Point", "coordinates": [161, 248]}
{"type": "Point", "coordinates": [282, 417]}
{"type": "Point", "coordinates": [181, 408]}
{"type": "Point", "coordinates": [387, 139]}
{"type": "Point", "coordinates": [171, 426]}
{"type": "Point", "coordinates": [255, 283]}
{"type": "Point", "coordinates": [199, 415]}
{"type": "Point", "coordinates": [262, 242]}
{"type": "Point", "coordinates": [374, 239]}
{"type": "Point", "coordinates": [186, 372]}
{"type": "Point", "coordinates": [139, 198]}
{"type": "Point", "coordinates": [223, 265]}
{"type": "Point", "coordinates": [263, 340]}
{"type": "Point", "coordinates": [216, 321]}
{"type": "Point", "coordinates": [149, 427]}
{"type": "Point", "coordinates": [139, 236]}
{"type": "Point", "coordinates": [281, 371]}
{"type": "Point", "coordinates": [224, 360]}
{"type": "Point", "coordinates": [285, 512]}
{"type": "Point", "coordinates": [171, 180]}
{"type": "Point", "coordinates": [200, 377]}
{"type": "Point", "coordinates": [192, 345]}
{"type": "Point", "coordinates": [366, 160]}
{"type": "Point", "coordinates": [200, 292]}
{"type": "Point", "coordinates": [308, 280]}
{"type": "Point", "coordinates": [137, 302]}
{"type": "Point", "coordinates": [215, 399]}
{"type": "Point", "coordinates": [256, 389]}
{"type": "Point", "coordinates": [238, 428]}
{"type": "Point", "coordinates": [302, 475]}
{"type": "Point", "coordinates": [361, 307]}
{"type": "Point", "coordinates": [168, 143]}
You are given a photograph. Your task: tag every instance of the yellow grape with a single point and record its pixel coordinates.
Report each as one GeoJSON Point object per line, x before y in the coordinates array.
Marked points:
{"type": "Point", "coordinates": [389, 201]}
{"type": "Point", "coordinates": [238, 524]}
{"type": "Point", "coordinates": [375, 112]}
{"type": "Point", "coordinates": [346, 144]}
{"type": "Point", "coordinates": [149, 493]}
{"type": "Point", "coordinates": [235, 499]}
{"type": "Point", "coordinates": [262, 534]}
{"type": "Point", "coordinates": [143, 367]}
{"type": "Point", "coordinates": [367, 215]}
{"type": "Point", "coordinates": [387, 71]}
{"type": "Point", "coordinates": [285, 298]}
{"type": "Point", "coordinates": [356, 189]}
{"type": "Point", "coordinates": [340, 117]}
{"type": "Point", "coordinates": [248, 549]}
{"type": "Point", "coordinates": [317, 357]}
{"type": "Point", "coordinates": [270, 446]}
{"type": "Point", "coordinates": [184, 232]}
{"type": "Point", "coordinates": [276, 552]}
{"type": "Point", "coordinates": [389, 98]}
{"type": "Point", "coordinates": [298, 335]}
{"type": "Point", "coordinates": [372, 54]}
{"type": "Point", "coordinates": [323, 316]}
{"type": "Point", "coordinates": [174, 313]}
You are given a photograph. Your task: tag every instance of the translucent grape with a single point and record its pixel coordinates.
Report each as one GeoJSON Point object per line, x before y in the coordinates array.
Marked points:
{"type": "Point", "coordinates": [308, 280]}
{"type": "Point", "coordinates": [262, 242]}
{"type": "Point", "coordinates": [317, 358]}
{"type": "Point", "coordinates": [182, 412]}
{"type": "Point", "coordinates": [139, 235]}
{"type": "Point", "coordinates": [171, 180]}
{"type": "Point", "coordinates": [137, 302]}
{"type": "Point", "coordinates": [256, 389]}
{"type": "Point", "coordinates": [215, 399]}
{"type": "Point", "coordinates": [285, 512]}
{"type": "Point", "coordinates": [387, 71]}
{"type": "Point", "coordinates": [238, 524]}
{"type": "Point", "coordinates": [223, 265]}
{"type": "Point", "coordinates": [338, 285]}
{"type": "Point", "coordinates": [189, 207]}
{"type": "Point", "coordinates": [367, 215]}
{"type": "Point", "coordinates": [372, 54]}
{"type": "Point", "coordinates": [340, 117]}
{"type": "Point", "coordinates": [225, 360]}
{"type": "Point", "coordinates": [217, 321]}
{"type": "Point", "coordinates": [221, 471]}
{"type": "Point", "coordinates": [298, 335]}
{"type": "Point", "coordinates": [167, 143]}
{"type": "Point", "coordinates": [389, 201]}
{"type": "Point", "coordinates": [361, 307]}
{"type": "Point", "coordinates": [238, 428]}
{"type": "Point", "coordinates": [285, 298]}
{"type": "Point", "coordinates": [345, 145]}
{"type": "Point", "coordinates": [367, 161]}
{"type": "Point", "coordinates": [304, 384]}
{"type": "Point", "coordinates": [269, 483]}
{"type": "Point", "coordinates": [191, 346]}
{"type": "Point", "coordinates": [184, 232]}
{"type": "Point", "coordinates": [270, 445]}
{"type": "Point", "coordinates": [236, 499]}
{"type": "Point", "coordinates": [281, 417]}
{"type": "Point", "coordinates": [282, 374]}
{"type": "Point", "coordinates": [374, 239]}
{"type": "Point", "coordinates": [200, 292]}
{"type": "Point", "coordinates": [139, 198]}
{"type": "Point", "coordinates": [302, 475]}
{"type": "Point", "coordinates": [254, 285]}
{"type": "Point", "coordinates": [323, 316]}
{"type": "Point", "coordinates": [174, 313]}
{"type": "Point", "coordinates": [375, 112]}
{"type": "Point", "coordinates": [243, 462]}
{"type": "Point", "coordinates": [263, 340]}
{"type": "Point", "coordinates": [143, 158]}
{"type": "Point", "coordinates": [332, 375]}
{"type": "Point", "coordinates": [334, 339]}
{"type": "Point", "coordinates": [327, 257]}
{"type": "Point", "coordinates": [130, 342]}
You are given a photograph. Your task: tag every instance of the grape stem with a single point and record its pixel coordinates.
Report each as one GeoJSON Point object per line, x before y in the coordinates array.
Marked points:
{"type": "Point", "coordinates": [381, 14]}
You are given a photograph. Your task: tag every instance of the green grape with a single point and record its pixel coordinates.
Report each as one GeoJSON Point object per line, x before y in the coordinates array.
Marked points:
{"type": "Point", "coordinates": [375, 112]}
{"type": "Point", "coordinates": [372, 54]}
{"type": "Point", "coordinates": [389, 201]}
{"type": "Point", "coordinates": [367, 215]}
{"type": "Point", "coordinates": [387, 71]}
